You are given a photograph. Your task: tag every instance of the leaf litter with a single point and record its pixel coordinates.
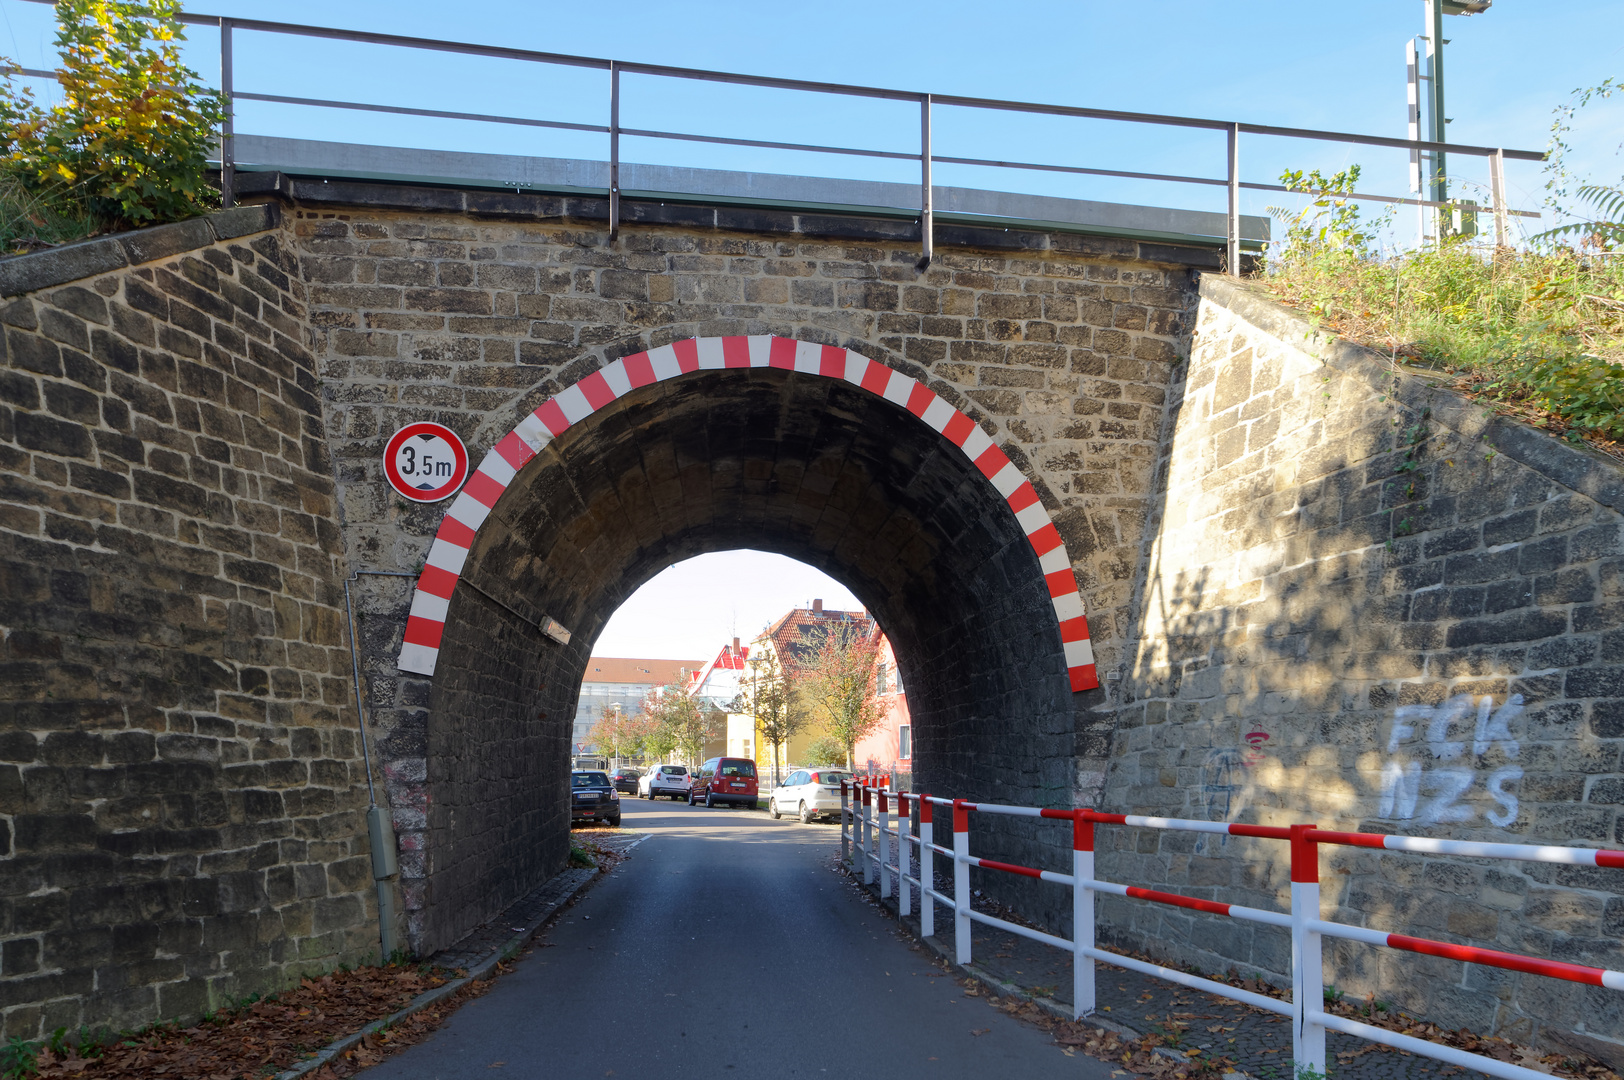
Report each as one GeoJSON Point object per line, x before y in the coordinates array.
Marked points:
{"type": "Point", "coordinates": [275, 1033]}
{"type": "Point", "coordinates": [263, 1038]}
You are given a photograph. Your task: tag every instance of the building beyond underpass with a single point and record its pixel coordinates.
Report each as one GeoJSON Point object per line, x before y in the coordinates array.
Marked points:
{"type": "Point", "coordinates": [617, 682]}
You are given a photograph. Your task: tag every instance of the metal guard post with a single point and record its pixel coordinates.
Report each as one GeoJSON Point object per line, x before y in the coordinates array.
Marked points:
{"type": "Point", "coordinates": [927, 869]}
{"type": "Point", "coordinates": [614, 150]}
{"type": "Point", "coordinates": [961, 882]}
{"type": "Point", "coordinates": [1307, 958]}
{"type": "Point", "coordinates": [228, 149]}
{"type": "Point", "coordinates": [883, 836]}
{"type": "Point", "coordinates": [1497, 185]}
{"type": "Point", "coordinates": [927, 210]}
{"type": "Point", "coordinates": [1234, 242]}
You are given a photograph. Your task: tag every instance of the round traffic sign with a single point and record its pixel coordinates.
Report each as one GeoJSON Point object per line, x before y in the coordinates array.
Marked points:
{"type": "Point", "coordinates": [425, 462]}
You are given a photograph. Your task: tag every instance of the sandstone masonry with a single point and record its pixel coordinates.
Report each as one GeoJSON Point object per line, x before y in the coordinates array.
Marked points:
{"type": "Point", "coordinates": [1063, 356]}
{"type": "Point", "coordinates": [1367, 604]}
{"type": "Point", "coordinates": [1327, 590]}
{"type": "Point", "coordinates": [181, 793]}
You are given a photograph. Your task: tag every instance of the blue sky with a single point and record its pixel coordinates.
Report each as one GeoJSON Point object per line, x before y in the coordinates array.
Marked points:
{"type": "Point", "coordinates": [1320, 65]}
{"type": "Point", "coordinates": [1337, 66]}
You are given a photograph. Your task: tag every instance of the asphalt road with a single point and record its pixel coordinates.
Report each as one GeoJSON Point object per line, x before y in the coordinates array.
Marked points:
{"type": "Point", "coordinates": [726, 946]}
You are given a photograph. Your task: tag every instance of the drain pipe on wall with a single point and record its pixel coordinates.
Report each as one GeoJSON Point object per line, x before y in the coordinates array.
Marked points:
{"type": "Point", "coordinates": [380, 827]}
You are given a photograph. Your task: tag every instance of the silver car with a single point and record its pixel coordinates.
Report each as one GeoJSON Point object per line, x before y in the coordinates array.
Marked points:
{"type": "Point", "coordinates": [808, 794]}
{"type": "Point", "coordinates": [672, 780]}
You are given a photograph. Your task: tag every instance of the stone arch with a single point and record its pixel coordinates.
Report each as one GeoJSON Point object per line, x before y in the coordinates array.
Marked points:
{"type": "Point", "coordinates": [459, 529]}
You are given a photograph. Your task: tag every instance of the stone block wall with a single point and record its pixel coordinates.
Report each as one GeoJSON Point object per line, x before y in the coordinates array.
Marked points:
{"type": "Point", "coordinates": [1366, 603]}
{"type": "Point", "coordinates": [181, 792]}
{"type": "Point", "coordinates": [473, 319]}
{"type": "Point", "coordinates": [498, 766]}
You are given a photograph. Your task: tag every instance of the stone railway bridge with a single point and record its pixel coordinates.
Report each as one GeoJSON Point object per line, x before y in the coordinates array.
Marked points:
{"type": "Point", "coordinates": [1142, 539]}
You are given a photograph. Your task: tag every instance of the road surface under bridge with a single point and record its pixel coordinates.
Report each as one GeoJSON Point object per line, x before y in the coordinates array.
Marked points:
{"type": "Point", "coordinates": [728, 942]}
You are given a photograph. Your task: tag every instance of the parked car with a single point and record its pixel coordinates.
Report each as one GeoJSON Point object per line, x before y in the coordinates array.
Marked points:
{"type": "Point", "coordinates": [725, 780]}
{"type": "Point", "coordinates": [626, 780]}
{"type": "Point", "coordinates": [809, 794]}
{"type": "Point", "coordinates": [669, 780]}
{"type": "Point", "coordinates": [593, 797]}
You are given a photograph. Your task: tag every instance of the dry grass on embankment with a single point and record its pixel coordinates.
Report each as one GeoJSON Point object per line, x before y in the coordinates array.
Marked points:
{"type": "Point", "coordinates": [1536, 334]}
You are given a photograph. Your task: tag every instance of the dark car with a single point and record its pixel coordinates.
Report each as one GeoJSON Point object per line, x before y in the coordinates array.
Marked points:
{"type": "Point", "coordinates": [593, 797]}
{"type": "Point", "coordinates": [626, 780]}
{"type": "Point", "coordinates": [725, 780]}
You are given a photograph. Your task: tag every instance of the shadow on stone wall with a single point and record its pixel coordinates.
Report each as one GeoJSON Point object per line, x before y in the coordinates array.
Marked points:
{"type": "Point", "coordinates": [1360, 609]}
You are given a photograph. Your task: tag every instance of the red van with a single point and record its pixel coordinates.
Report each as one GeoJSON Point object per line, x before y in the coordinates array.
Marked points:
{"type": "Point", "coordinates": [725, 780]}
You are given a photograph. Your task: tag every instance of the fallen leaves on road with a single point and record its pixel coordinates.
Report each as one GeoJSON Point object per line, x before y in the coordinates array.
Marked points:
{"type": "Point", "coordinates": [275, 1033]}
{"type": "Point", "coordinates": [608, 847]}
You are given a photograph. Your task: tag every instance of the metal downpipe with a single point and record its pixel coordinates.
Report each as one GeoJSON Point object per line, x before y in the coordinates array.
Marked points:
{"type": "Point", "coordinates": [380, 829]}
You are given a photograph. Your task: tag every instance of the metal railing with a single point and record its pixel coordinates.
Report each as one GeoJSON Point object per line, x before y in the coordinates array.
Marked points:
{"type": "Point", "coordinates": [925, 155]}
{"type": "Point", "coordinates": [883, 848]}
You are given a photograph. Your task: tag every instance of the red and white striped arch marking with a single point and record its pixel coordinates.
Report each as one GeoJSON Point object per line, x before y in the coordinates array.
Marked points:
{"type": "Point", "coordinates": [426, 624]}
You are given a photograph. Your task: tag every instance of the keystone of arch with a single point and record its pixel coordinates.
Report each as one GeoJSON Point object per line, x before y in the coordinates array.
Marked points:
{"type": "Point", "coordinates": [425, 625]}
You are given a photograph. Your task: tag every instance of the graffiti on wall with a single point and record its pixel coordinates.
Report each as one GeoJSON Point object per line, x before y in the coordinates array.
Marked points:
{"type": "Point", "coordinates": [1223, 776]}
{"type": "Point", "coordinates": [1438, 755]}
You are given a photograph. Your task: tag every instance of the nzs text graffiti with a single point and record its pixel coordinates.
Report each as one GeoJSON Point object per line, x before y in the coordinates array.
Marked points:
{"type": "Point", "coordinates": [1450, 729]}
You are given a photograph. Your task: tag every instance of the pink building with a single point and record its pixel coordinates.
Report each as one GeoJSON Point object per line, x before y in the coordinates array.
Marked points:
{"type": "Point", "coordinates": [888, 749]}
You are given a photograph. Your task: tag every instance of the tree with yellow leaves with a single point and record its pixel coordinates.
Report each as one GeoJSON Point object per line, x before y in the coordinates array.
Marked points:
{"type": "Point", "coordinates": [130, 139]}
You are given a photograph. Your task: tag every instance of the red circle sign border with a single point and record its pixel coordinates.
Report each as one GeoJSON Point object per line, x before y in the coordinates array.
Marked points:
{"type": "Point", "coordinates": [459, 473]}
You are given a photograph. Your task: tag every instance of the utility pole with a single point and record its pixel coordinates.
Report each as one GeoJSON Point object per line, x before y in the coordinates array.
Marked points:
{"type": "Point", "coordinates": [1429, 172]}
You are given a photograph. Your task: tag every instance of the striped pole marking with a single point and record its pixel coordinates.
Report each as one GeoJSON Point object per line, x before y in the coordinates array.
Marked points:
{"type": "Point", "coordinates": [1020, 871]}
{"type": "Point", "coordinates": [1212, 907]}
{"type": "Point", "coordinates": [1230, 828]}
{"type": "Point", "coordinates": [425, 626]}
{"type": "Point", "coordinates": [1555, 969]}
{"type": "Point", "coordinates": [1428, 846]}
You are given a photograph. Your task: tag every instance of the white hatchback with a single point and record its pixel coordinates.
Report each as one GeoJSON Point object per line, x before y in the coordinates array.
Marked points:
{"type": "Point", "coordinates": [808, 794]}
{"type": "Point", "coordinates": [672, 780]}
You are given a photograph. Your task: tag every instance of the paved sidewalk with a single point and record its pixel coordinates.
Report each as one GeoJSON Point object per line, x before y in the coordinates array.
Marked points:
{"type": "Point", "coordinates": [527, 913]}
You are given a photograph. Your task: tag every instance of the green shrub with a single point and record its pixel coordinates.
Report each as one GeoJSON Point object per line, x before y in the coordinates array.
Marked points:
{"type": "Point", "coordinates": [1585, 391]}
{"type": "Point", "coordinates": [128, 143]}
{"type": "Point", "coordinates": [825, 750]}
{"type": "Point", "coordinates": [18, 1059]}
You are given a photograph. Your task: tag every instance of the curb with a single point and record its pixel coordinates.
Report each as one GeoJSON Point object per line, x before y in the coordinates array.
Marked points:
{"type": "Point", "coordinates": [478, 971]}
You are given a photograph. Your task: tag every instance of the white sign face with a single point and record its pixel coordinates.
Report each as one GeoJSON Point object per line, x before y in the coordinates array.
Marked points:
{"type": "Point", "coordinates": [425, 462]}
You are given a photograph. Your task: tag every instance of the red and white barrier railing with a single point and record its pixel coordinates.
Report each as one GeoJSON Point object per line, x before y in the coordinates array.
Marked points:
{"type": "Point", "coordinates": [866, 824]}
